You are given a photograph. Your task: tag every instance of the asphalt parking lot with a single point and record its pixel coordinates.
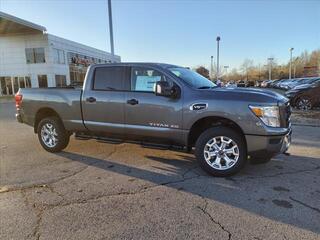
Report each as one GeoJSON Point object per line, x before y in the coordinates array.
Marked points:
{"type": "Point", "coordinates": [104, 191]}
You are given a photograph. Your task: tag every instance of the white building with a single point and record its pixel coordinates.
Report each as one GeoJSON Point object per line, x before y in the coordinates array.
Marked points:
{"type": "Point", "coordinates": [30, 57]}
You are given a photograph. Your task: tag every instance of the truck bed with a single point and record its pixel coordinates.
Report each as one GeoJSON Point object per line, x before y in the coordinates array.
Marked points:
{"type": "Point", "coordinates": [65, 101]}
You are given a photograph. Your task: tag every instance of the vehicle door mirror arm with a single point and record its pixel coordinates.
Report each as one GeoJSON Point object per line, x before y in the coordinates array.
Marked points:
{"type": "Point", "coordinates": [164, 89]}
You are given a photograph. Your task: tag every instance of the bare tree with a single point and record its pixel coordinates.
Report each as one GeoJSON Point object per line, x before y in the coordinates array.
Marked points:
{"type": "Point", "coordinates": [246, 66]}
{"type": "Point", "coordinates": [203, 71]}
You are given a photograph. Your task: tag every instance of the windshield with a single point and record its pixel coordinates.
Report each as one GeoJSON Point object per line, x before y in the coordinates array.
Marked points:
{"type": "Point", "coordinates": [192, 78]}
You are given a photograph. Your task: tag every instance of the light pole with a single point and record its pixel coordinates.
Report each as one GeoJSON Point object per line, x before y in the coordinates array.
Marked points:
{"type": "Point", "coordinates": [290, 67]}
{"type": "Point", "coordinates": [270, 67]}
{"type": "Point", "coordinates": [211, 68]}
{"type": "Point", "coordinates": [110, 27]}
{"type": "Point", "coordinates": [218, 40]}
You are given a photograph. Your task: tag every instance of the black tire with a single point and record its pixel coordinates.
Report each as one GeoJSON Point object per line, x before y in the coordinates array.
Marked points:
{"type": "Point", "coordinates": [62, 137]}
{"type": "Point", "coordinates": [211, 133]}
{"type": "Point", "coordinates": [304, 103]}
{"type": "Point", "coordinates": [260, 160]}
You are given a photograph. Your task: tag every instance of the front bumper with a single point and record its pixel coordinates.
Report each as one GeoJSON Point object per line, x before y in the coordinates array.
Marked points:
{"type": "Point", "coordinates": [268, 146]}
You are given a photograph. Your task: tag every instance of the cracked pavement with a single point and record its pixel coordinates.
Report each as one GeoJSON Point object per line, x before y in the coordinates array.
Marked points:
{"type": "Point", "coordinates": [105, 191]}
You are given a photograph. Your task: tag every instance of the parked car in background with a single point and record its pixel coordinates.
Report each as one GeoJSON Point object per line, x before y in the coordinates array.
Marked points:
{"type": "Point", "coordinates": [231, 84]}
{"type": "Point", "coordinates": [274, 83]}
{"type": "Point", "coordinates": [266, 83]}
{"type": "Point", "coordinates": [283, 83]}
{"type": "Point", "coordinates": [241, 84]}
{"type": "Point", "coordinates": [302, 81]}
{"type": "Point", "coordinates": [250, 84]}
{"type": "Point", "coordinates": [258, 83]}
{"type": "Point", "coordinates": [305, 97]}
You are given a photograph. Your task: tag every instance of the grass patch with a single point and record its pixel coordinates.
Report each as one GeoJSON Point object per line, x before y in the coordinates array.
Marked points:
{"type": "Point", "coordinates": [6, 98]}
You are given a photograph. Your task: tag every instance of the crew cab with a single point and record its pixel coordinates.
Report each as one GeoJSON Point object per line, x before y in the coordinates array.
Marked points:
{"type": "Point", "coordinates": [153, 103]}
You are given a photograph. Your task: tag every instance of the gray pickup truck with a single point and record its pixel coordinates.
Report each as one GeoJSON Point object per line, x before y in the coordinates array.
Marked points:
{"type": "Point", "coordinates": [162, 104]}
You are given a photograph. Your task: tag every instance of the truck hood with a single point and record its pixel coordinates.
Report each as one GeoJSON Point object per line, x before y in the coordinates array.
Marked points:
{"type": "Point", "coordinates": [251, 95]}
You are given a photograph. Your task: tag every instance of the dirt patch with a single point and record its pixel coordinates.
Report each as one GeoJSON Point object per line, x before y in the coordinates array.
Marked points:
{"type": "Point", "coordinates": [306, 117]}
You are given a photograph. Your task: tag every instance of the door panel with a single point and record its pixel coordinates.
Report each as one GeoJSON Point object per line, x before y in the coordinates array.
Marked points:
{"type": "Point", "coordinates": [103, 105]}
{"type": "Point", "coordinates": [105, 115]}
{"type": "Point", "coordinates": [154, 118]}
{"type": "Point", "coordinates": [149, 117]}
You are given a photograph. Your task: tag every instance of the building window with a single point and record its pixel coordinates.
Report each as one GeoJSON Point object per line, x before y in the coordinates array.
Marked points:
{"type": "Point", "coordinates": [28, 82]}
{"type": "Point", "coordinates": [61, 81]}
{"type": "Point", "coordinates": [22, 82]}
{"type": "Point", "coordinates": [35, 55]}
{"type": "Point", "coordinates": [6, 86]}
{"type": "Point", "coordinates": [58, 56]}
{"type": "Point", "coordinates": [42, 80]}
{"type": "Point", "coordinates": [15, 84]}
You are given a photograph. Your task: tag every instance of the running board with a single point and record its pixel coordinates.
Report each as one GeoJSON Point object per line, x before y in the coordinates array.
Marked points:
{"type": "Point", "coordinates": [162, 146]}
{"type": "Point", "coordinates": [155, 146]}
{"type": "Point", "coordinates": [110, 140]}
{"type": "Point", "coordinates": [83, 136]}
{"type": "Point", "coordinates": [98, 139]}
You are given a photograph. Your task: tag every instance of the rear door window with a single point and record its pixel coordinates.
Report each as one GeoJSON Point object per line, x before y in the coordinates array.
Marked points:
{"type": "Point", "coordinates": [110, 78]}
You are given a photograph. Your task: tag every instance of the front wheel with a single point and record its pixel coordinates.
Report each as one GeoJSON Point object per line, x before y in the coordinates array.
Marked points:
{"type": "Point", "coordinates": [221, 151]}
{"type": "Point", "coordinates": [304, 103]}
{"type": "Point", "coordinates": [52, 135]}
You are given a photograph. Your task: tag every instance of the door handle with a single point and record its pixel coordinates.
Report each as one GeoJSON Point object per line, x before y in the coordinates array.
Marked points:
{"type": "Point", "coordinates": [133, 102]}
{"type": "Point", "coordinates": [91, 99]}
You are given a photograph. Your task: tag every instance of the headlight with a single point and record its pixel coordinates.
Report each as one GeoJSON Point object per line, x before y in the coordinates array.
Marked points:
{"type": "Point", "coordinates": [268, 115]}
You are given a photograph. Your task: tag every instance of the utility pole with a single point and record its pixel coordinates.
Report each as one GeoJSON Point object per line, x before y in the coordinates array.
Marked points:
{"type": "Point", "coordinates": [290, 66]}
{"type": "Point", "coordinates": [270, 68]}
{"type": "Point", "coordinates": [110, 27]}
{"type": "Point", "coordinates": [211, 68]}
{"type": "Point", "coordinates": [218, 40]}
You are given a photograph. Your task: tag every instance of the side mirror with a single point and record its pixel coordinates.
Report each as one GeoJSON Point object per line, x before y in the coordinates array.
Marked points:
{"type": "Point", "coordinates": [163, 89]}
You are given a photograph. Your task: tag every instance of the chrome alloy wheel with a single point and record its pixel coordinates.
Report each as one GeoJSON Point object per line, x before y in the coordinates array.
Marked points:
{"type": "Point", "coordinates": [221, 153]}
{"type": "Point", "coordinates": [304, 104]}
{"type": "Point", "coordinates": [49, 135]}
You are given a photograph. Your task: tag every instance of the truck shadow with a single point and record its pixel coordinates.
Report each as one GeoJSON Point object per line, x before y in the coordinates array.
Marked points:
{"type": "Point", "coordinates": [263, 191]}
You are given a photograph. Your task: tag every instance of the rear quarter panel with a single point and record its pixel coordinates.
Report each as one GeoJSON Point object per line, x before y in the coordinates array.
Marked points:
{"type": "Point", "coordinates": [65, 102]}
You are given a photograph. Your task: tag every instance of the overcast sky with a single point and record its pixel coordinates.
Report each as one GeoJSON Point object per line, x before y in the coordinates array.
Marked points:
{"type": "Point", "coordinates": [181, 32]}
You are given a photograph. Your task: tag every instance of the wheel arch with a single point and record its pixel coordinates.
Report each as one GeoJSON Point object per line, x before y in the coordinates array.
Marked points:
{"type": "Point", "coordinates": [204, 123]}
{"type": "Point", "coordinates": [44, 113]}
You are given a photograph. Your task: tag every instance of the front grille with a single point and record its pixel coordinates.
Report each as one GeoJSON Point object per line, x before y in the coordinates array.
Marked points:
{"type": "Point", "coordinates": [285, 113]}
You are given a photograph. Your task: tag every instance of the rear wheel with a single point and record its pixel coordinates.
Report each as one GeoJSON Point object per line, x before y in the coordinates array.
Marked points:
{"type": "Point", "coordinates": [52, 135]}
{"type": "Point", "coordinates": [221, 151]}
{"type": "Point", "coordinates": [304, 103]}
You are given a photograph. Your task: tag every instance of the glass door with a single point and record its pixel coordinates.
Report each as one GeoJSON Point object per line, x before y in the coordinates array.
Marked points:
{"type": "Point", "coordinates": [6, 86]}
{"type": "Point", "coordinates": [15, 84]}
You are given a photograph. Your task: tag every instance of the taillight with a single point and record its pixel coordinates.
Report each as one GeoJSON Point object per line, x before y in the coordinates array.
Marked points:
{"type": "Point", "coordinates": [18, 98]}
